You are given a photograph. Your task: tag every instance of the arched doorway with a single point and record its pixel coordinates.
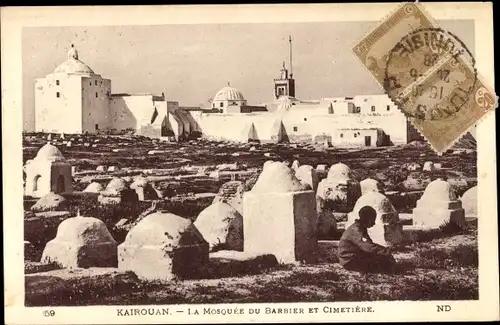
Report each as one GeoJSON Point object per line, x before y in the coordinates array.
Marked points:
{"type": "Point", "coordinates": [36, 183]}
{"type": "Point", "coordinates": [60, 184]}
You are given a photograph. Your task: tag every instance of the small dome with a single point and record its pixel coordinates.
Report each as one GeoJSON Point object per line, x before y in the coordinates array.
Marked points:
{"type": "Point", "coordinates": [85, 230]}
{"type": "Point", "coordinates": [166, 230]}
{"type": "Point", "coordinates": [116, 185]}
{"type": "Point", "coordinates": [228, 93]}
{"type": "Point", "coordinates": [439, 190]}
{"type": "Point", "coordinates": [339, 171]}
{"type": "Point", "coordinates": [73, 65]}
{"type": "Point", "coordinates": [49, 152]}
{"type": "Point", "coordinates": [94, 187]}
{"type": "Point", "coordinates": [277, 178]}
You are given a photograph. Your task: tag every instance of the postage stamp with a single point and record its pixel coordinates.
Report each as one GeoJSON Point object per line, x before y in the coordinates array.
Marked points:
{"type": "Point", "coordinates": [429, 73]}
{"type": "Point", "coordinates": [239, 164]}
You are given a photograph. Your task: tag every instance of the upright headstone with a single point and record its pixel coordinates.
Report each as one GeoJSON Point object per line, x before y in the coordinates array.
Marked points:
{"type": "Point", "coordinates": [438, 206]}
{"type": "Point", "coordinates": [163, 246]}
{"type": "Point", "coordinates": [295, 165]}
{"type": "Point", "coordinates": [280, 216]}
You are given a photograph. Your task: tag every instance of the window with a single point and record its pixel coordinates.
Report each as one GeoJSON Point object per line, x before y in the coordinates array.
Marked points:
{"type": "Point", "coordinates": [97, 126]}
{"type": "Point", "coordinates": [295, 129]}
{"type": "Point", "coordinates": [373, 108]}
{"type": "Point", "coordinates": [90, 84]}
{"type": "Point", "coordinates": [388, 107]}
{"type": "Point", "coordinates": [341, 135]}
{"type": "Point", "coordinates": [213, 105]}
{"type": "Point", "coordinates": [95, 82]}
{"type": "Point", "coordinates": [355, 135]}
{"type": "Point", "coordinates": [305, 118]}
{"type": "Point", "coordinates": [57, 82]}
{"type": "Point", "coordinates": [58, 95]}
{"type": "Point", "coordinates": [96, 95]}
{"type": "Point", "coordinates": [221, 104]}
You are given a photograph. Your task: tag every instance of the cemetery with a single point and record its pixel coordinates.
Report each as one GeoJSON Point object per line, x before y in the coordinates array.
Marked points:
{"type": "Point", "coordinates": [125, 219]}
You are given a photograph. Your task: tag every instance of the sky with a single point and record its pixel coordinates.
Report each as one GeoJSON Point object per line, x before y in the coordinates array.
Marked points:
{"type": "Point", "coordinates": [190, 63]}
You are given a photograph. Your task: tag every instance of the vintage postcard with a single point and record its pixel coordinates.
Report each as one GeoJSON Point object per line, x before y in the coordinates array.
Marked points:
{"type": "Point", "coordinates": [240, 163]}
{"type": "Point", "coordinates": [429, 73]}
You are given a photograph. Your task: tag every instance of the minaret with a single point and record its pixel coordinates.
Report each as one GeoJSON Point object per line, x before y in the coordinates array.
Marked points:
{"type": "Point", "coordinates": [285, 85]}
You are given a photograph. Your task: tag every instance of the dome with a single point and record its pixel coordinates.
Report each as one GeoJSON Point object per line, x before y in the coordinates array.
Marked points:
{"type": "Point", "coordinates": [228, 93]}
{"type": "Point", "coordinates": [85, 230]}
{"type": "Point", "coordinates": [73, 65]}
{"type": "Point", "coordinates": [439, 190]}
{"type": "Point", "coordinates": [339, 172]}
{"type": "Point", "coordinates": [49, 152]}
{"type": "Point", "coordinates": [165, 230]}
{"type": "Point", "coordinates": [116, 185]}
{"type": "Point", "coordinates": [277, 178]}
{"type": "Point", "coordinates": [94, 187]}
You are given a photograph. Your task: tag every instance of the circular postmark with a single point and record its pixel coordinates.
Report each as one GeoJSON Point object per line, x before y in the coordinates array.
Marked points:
{"type": "Point", "coordinates": [430, 74]}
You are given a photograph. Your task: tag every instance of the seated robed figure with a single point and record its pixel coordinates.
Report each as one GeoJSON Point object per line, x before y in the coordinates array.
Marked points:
{"type": "Point", "coordinates": [357, 251]}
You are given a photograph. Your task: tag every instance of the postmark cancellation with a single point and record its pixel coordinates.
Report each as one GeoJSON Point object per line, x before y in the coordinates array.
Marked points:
{"type": "Point", "coordinates": [429, 73]}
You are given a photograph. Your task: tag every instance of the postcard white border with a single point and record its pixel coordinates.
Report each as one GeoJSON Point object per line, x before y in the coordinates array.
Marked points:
{"type": "Point", "coordinates": [14, 19]}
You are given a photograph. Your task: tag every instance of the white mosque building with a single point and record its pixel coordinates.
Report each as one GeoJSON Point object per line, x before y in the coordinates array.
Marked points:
{"type": "Point", "coordinates": [74, 99]}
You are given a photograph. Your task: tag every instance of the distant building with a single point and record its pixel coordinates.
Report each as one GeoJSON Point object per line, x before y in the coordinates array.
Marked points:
{"type": "Point", "coordinates": [74, 99]}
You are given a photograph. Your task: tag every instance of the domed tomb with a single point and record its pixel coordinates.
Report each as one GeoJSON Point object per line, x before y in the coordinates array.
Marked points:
{"type": "Point", "coordinates": [387, 229]}
{"type": "Point", "coordinates": [221, 226]}
{"type": "Point", "coordinates": [279, 204]}
{"type": "Point", "coordinates": [338, 191]}
{"type": "Point", "coordinates": [163, 246]}
{"type": "Point", "coordinates": [48, 172]}
{"type": "Point", "coordinates": [469, 202]}
{"type": "Point", "coordinates": [438, 206]}
{"type": "Point", "coordinates": [81, 242]}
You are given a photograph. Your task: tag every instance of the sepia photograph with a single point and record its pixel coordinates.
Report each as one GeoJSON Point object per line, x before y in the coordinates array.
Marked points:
{"type": "Point", "coordinates": [241, 162]}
